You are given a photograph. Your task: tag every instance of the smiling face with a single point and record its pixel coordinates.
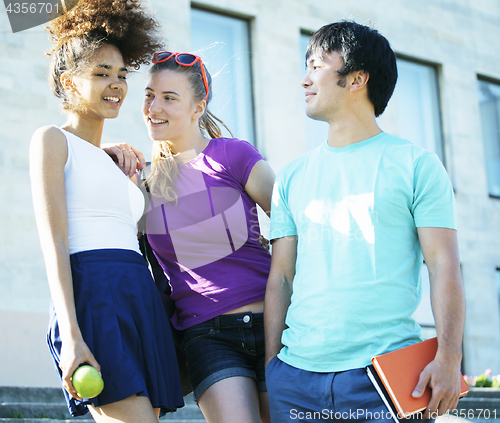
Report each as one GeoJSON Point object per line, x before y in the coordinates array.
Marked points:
{"type": "Point", "coordinates": [169, 110]}
{"type": "Point", "coordinates": [100, 88]}
{"type": "Point", "coordinates": [325, 90]}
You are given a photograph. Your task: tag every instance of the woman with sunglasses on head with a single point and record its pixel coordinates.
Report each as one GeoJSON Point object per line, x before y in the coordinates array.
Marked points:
{"type": "Point", "coordinates": [106, 310]}
{"type": "Point", "coordinates": [202, 225]}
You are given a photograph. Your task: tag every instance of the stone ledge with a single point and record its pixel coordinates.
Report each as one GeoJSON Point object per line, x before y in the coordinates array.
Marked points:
{"type": "Point", "coordinates": [480, 403]}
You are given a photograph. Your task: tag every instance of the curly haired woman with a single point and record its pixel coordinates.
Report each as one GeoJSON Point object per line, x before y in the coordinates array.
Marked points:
{"type": "Point", "coordinates": [106, 309]}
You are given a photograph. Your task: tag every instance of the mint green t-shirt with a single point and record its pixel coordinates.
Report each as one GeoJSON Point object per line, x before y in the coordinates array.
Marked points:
{"type": "Point", "coordinates": [356, 210]}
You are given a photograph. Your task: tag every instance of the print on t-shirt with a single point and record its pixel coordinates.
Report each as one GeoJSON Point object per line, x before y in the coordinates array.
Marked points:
{"type": "Point", "coordinates": [205, 225]}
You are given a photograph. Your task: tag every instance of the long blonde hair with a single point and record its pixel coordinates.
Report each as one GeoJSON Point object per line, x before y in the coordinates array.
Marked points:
{"type": "Point", "coordinates": [164, 168]}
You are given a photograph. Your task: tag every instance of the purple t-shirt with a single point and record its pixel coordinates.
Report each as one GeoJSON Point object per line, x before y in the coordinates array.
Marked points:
{"type": "Point", "coordinates": [207, 242]}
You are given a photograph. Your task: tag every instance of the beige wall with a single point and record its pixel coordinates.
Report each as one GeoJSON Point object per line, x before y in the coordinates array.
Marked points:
{"type": "Point", "coordinates": [25, 357]}
{"type": "Point", "coordinates": [459, 36]}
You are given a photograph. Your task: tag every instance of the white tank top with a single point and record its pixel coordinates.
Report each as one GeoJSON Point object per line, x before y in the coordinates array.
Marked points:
{"type": "Point", "coordinates": [104, 205]}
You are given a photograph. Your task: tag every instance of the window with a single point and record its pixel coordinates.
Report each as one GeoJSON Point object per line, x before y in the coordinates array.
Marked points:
{"type": "Point", "coordinates": [413, 111]}
{"type": "Point", "coordinates": [316, 131]}
{"type": "Point", "coordinates": [489, 103]}
{"type": "Point", "coordinates": [223, 44]}
{"type": "Point", "coordinates": [423, 315]}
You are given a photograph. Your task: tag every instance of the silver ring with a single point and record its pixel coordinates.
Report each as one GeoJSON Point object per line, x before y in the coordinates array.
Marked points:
{"type": "Point", "coordinates": [130, 151]}
{"type": "Point", "coordinates": [122, 149]}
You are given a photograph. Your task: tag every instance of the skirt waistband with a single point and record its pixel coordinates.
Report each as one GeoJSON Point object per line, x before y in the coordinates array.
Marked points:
{"type": "Point", "coordinates": [109, 255]}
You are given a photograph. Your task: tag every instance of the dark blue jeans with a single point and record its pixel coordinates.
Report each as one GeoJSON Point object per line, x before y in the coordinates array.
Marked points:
{"type": "Point", "coordinates": [225, 346]}
{"type": "Point", "coordinates": [297, 395]}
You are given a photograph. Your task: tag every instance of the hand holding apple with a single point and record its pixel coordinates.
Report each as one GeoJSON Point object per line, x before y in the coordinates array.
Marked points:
{"type": "Point", "coordinates": [87, 382]}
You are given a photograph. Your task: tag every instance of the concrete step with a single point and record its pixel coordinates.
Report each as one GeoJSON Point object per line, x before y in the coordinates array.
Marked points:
{"type": "Point", "coordinates": [31, 405]}
{"type": "Point", "coordinates": [60, 411]}
{"type": "Point", "coordinates": [15, 420]}
{"type": "Point", "coordinates": [482, 393]}
{"type": "Point", "coordinates": [172, 420]}
{"type": "Point", "coordinates": [2, 420]}
{"type": "Point", "coordinates": [475, 407]}
{"type": "Point", "coordinates": [35, 410]}
{"type": "Point", "coordinates": [29, 394]}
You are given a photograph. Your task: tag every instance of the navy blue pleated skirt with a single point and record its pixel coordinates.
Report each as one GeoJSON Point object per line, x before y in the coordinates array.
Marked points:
{"type": "Point", "coordinates": [124, 324]}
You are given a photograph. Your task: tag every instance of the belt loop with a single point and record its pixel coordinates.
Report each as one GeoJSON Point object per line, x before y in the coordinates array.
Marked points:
{"type": "Point", "coordinates": [217, 323]}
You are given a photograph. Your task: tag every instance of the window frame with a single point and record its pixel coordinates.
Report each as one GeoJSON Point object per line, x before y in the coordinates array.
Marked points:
{"type": "Point", "coordinates": [249, 30]}
{"type": "Point", "coordinates": [441, 148]}
{"type": "Point", "coordinates": [493, 81]}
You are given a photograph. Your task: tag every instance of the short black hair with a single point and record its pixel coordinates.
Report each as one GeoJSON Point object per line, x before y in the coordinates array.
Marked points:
{"type": "Point", "coordinates": [361, 48]}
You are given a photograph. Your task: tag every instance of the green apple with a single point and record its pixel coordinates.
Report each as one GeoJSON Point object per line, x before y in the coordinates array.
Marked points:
{"type": "Point", "coordinates": [87, 382]}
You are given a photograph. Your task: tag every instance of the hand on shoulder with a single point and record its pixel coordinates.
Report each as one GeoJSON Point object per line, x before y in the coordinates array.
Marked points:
{"type": "Point", "coordinates": [127, 157]}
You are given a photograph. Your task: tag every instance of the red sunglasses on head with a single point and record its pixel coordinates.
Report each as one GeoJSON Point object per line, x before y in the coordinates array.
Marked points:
{"type": "Point", "coordinates": [183, 59]}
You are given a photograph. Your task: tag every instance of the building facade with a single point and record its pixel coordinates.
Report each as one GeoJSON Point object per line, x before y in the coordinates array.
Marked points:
{"type": "Point", "coordinates": [447, 100]}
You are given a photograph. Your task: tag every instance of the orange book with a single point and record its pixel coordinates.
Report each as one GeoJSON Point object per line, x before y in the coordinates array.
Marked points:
{"type": "Point", "coordinates": [399, 371]}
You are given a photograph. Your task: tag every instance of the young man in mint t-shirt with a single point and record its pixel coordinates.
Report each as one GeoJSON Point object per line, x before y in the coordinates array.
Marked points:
{"type": "Point", "coordinates": [350, 224]}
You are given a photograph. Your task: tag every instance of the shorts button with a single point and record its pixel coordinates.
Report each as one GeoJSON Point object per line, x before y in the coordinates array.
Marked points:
{"type": "Point", "coordinates": [246, 318]}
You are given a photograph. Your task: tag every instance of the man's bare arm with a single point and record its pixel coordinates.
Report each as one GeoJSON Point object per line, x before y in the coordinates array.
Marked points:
{"type": "Point", "coordinates": [279, 292]}
{"type": "Point", "coordinates": [440, 249]}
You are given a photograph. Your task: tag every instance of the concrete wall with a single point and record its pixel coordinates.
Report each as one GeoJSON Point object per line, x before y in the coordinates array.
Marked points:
{"type": "Point", "coordinates": [459, 36]}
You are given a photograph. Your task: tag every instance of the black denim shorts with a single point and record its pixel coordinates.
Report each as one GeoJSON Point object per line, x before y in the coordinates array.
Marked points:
{"type": "Point", "coordinates": [226, 346]}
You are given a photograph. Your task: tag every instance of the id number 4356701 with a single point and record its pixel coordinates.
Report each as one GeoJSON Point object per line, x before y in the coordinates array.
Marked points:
{"type": "Point", "coordinates": [32, 8]}
{"type": "Point", "coordinates": [478, 413]}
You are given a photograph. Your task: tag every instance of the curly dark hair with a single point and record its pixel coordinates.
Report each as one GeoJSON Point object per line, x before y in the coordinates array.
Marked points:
{"type": "Point", "coordinates": [90, 24]}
